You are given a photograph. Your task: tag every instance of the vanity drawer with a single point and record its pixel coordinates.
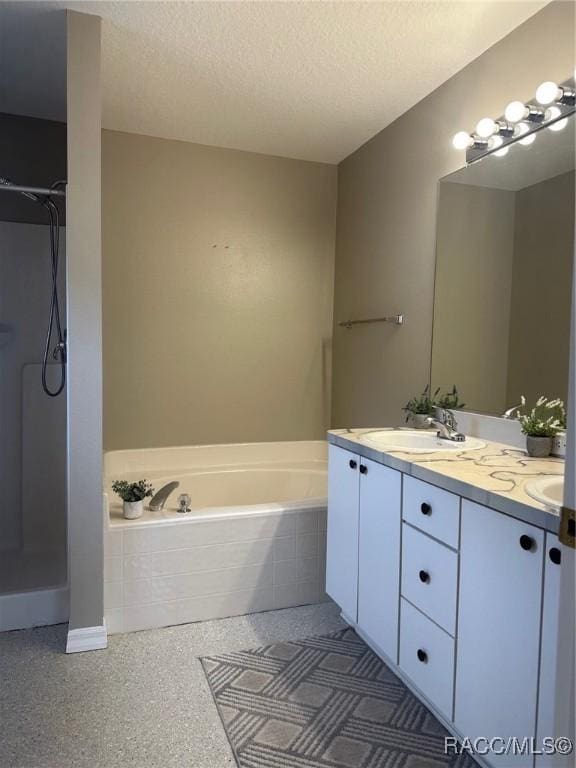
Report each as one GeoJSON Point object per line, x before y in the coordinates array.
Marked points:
{"type": "Point", "coordinates": [427, 657]}
{"type": "Point", "coordinates": [432, 509]}
{"type": "Point", "coordinates": [429, 577]}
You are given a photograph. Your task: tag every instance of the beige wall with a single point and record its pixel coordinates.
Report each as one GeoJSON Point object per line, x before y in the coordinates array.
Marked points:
{"type": "Point", "coordinates": [472, 294]}
{"type": "Point", "coordinates": [218, 285]}
{"type": "Point", "coordinates": [84, 264]}
{"type": "Point", "coordinates": [541, 290]}
{"type": "Point", "coordinates": [387, 193]}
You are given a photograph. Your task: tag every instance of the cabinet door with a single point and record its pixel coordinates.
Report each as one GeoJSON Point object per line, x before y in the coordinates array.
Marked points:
{"type": "Point", "coordinates": [501, 563]}
{"type": "Point", "coordinates": [550, 615]}
{"type": "Point", "coordinates": [342, 540]}
{"type": "Point", "coordinates": [379, 555]}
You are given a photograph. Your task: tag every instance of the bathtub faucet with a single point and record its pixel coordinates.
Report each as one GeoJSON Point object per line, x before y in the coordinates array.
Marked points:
{"type": "Point", "coordinates": [161, 497]}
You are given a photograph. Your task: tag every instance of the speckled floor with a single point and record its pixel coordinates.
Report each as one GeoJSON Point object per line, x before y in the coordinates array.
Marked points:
{"type": "Point", "coordinates": [142, 703]}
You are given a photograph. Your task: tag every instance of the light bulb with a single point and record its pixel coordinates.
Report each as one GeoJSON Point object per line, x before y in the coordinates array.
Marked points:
{"type": "Point", "coordinates": [486, 127]}
{"type": "Point", "coordinates": [462, 140]}
{"type": "Point", "coordinates": [527, 140]}
{"type": "Point", "coordinates": [501, 152]}
{"type": "Point", "coordinates": [516, 111]}
{"type": "Point", "coordinates": [559, 125]}
{"type": "Point", "coordinates": [552, 113]}
{"type": "Point", "coordinates": [548, 93]}
{"type": "Point", "coordinates": [495, 142]}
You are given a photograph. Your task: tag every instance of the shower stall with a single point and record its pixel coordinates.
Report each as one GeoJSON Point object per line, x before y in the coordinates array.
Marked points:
{"type": "Point", "coordinates": [33, 464]}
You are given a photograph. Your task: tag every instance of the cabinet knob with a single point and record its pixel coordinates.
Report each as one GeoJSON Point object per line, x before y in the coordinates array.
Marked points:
{"type": "Point", "coordinates": [424, 577]}
{"type": "Point", "coordinates": [526, 542]}
{"type": "Point", "coordinates": [363, 469]}
{"type": "Point", "coordinates": [425, 508]}
{"type": "Point", "coordinates": [422, 655]}
{"type": "Point", "coordinates": [555, 555]}
{"type": "Point", "coordinates": [352, 464]}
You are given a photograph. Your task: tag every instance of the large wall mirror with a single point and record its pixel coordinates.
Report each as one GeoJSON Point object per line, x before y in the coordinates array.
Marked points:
{"type": "Point", "coordinates": [505, 255]}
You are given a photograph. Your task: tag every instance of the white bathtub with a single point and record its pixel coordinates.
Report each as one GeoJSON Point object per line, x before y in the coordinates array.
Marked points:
{"type": "Point", "coordinates": [255, 538]}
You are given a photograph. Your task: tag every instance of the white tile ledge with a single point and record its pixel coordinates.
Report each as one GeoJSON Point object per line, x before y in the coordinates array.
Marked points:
{"type": "Point", "coordinates": [87, 639]}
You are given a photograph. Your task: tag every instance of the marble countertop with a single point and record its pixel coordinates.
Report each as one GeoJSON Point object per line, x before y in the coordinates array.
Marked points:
{"type": "Point", "coordinates": [494, 475]}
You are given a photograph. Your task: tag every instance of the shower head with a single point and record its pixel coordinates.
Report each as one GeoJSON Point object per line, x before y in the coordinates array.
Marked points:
{"type": "Point", "coordinates": [8, 183]}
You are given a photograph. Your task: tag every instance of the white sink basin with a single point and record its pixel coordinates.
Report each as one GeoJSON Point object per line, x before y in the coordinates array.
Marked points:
{"type": "Point", "coordinates": [547, 490]}
{"type": "Point", "coordinates": [417, 441]}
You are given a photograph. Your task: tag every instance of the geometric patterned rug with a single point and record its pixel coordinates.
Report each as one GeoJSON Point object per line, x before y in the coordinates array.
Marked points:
{"type": "Point", "coordinates": [323, 702]}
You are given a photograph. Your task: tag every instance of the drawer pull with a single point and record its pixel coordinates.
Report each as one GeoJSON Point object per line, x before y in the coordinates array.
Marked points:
{"type": "Point", "coordinates": [363, 469]}
{"type": "Point", "coordinates": [425, 508]}
{"type": "Point", "coordinates": [526, 542]}
{"type": "Point", "coordinates": [422, 656]}
{"type": "Point", "coordinates": [555, 555]}
{"type": "Point", "coordinates": [352, 464]}
{"type": "Point", "coordinates": [424, 577]}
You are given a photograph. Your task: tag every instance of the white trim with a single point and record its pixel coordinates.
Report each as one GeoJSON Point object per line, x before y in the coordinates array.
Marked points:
{"type": "Point", "coordinates": [564, 711]}
{"type": "Point", "coordinates": [36, 608]}
{"type": "Point", "coordinates": [87, 639]}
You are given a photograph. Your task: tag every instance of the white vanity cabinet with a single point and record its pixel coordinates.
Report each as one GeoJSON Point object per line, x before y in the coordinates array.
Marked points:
{"type": "Point", "coordinates": [461, 598]}
{"type": "Point", "coordinates": [501, 563]}
{"type": "Point", "coordinates": [363, 552]}
{"type": "Point", "coordinates": [343, 528]}
{"type": "Point", "coordinates": [551, 612]}
{"type": "Point", "coordinates": [379, 555]}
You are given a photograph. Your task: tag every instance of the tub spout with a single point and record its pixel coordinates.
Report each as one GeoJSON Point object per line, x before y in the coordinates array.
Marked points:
{"type": "Point", "coordinates": [161, 497]}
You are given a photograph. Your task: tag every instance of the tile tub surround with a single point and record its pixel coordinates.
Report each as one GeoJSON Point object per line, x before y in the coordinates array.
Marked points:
{"type": "Point", "coordinates": [493, 476]}
{"type": "Point", "coordinates": [194, 570]}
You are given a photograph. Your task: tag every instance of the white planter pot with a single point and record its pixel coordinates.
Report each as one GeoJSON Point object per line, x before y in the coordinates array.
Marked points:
{"type": "Point", "coordinates": [559, 445]}
{"type": "Point", "coordinates": [419, 421]}
{"type": "Point", "coordinates": [133, 509]}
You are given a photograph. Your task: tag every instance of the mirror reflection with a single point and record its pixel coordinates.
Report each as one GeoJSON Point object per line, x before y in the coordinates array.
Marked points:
{"type": "Point", "coordinates": [505, 255]}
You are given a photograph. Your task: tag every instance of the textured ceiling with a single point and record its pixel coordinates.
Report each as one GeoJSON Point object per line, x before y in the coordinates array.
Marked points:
{"type": "Point", "coordinates": [311, 80]}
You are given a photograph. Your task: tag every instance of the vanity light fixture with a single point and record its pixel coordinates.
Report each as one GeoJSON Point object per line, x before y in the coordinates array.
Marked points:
{"type": "Point", "coordinates": [488, 127]}
{"type": "Point", "coordinates": [556, 112]}
{"type": "Point", "coordinates": [520, 123]}
{"type": "Point", "coordinates": [522, 129]}
{"type": "Point", "coordinates": [559, 124]}
{"type": "Point", "coordinates": [550, 93]}
{"type": "Point", "coordinates": [517, 111]}
{"type": "Point", "coordinates": [463, 140]}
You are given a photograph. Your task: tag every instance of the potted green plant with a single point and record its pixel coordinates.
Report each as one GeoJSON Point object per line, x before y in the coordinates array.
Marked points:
{"type": "Point", "coordinates": [133, 495]}
{"type": "Point", "coordinates": [450, 401]}
{"type": "Point", "coordinates": [419, 409]}
{"type": "Point", "coordinates": [541, 424]}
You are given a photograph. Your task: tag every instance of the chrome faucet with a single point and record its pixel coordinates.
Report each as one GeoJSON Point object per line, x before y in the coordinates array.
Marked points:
{"type": "Point", "coordinates": [512, 413]}
{"type": "Point", "coordinates": [161, 497]}
{"type": "Point", "coordinates": [445, 423]}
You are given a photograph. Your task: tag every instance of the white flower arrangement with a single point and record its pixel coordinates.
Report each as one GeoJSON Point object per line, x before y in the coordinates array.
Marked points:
{"type": "Point", "coordinates": [546, 419]}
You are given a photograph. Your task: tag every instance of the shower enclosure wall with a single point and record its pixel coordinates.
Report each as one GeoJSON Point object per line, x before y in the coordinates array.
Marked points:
{"type": "Point", "coordinates": [33, 472]}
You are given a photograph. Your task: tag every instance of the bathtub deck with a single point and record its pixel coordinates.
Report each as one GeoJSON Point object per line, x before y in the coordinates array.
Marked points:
{"type": "Point", "coordinates": [142, 703]}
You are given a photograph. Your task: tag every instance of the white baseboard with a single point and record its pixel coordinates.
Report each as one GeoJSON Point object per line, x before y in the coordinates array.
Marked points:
{"type": "Point", "coordinates": [87, 639]}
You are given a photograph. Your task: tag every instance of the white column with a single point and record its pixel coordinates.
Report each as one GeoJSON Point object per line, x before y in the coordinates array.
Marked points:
{"type": "Point", "coordinates": [84, 266]}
